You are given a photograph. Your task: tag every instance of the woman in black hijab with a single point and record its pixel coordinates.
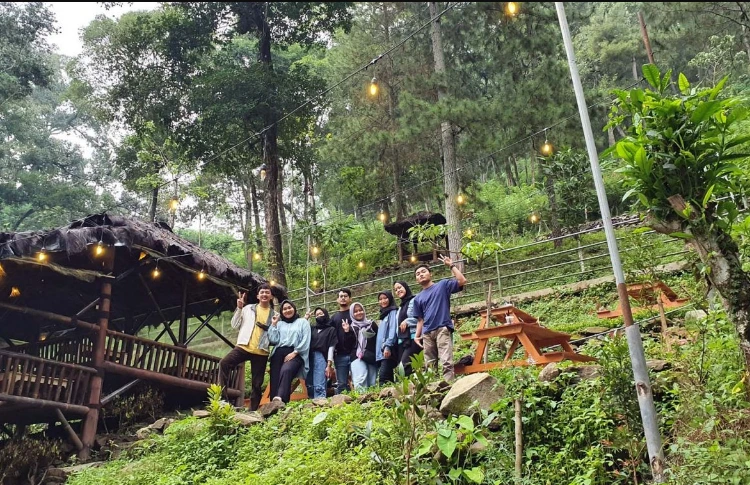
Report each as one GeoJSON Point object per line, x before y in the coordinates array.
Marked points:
{"type": "Point", "coordinates": [407, 326]}
{"type": "Point", "coordinates": [322, 343]}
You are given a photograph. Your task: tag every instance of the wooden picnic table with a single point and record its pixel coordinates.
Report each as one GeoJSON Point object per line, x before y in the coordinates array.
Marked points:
{"type": "Point", "coordinates": [650, 295]}
{"type": "Point", "coordinates": [525, 332]}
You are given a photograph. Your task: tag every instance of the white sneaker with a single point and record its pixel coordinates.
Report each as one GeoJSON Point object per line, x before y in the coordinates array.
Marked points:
{"type": "Point", "coordinates": [277, 398]}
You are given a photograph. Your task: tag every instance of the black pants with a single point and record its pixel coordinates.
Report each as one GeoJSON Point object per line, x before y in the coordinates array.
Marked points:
{"type": "Point", "coordinates": [258, 362]}
{"type": "Point", "coordinates": [385, 372]}
{"type": "Point", "coordinates": [406, 350]}
{"type": "Point", "coordinates": [282, 373]}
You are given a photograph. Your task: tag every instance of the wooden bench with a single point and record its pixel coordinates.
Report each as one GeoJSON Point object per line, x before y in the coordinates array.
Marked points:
{"type": "Point", "coordinates": [650, 295]}
{"type": "Point", "coordinates": [526, 333]}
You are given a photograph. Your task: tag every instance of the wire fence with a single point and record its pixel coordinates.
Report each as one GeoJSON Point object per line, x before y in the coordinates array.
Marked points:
{"type": "Point", "coordinates": [538, 265]}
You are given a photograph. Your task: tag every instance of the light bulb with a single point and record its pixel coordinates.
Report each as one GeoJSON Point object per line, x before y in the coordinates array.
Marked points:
{"type": "Point", "coordinates": [262, 173]}
{"type": "Point", "coordinates": [460, 199]}
{"type": "Point", "coordinates": [2, 271]}
{"type": "Point", "coordinates": [374, 87]}
{"type": "Point", "coordinates": [155, 273]}
{"type": "Point", "coordinates": [413, 258]}
{"type": "Point", "coordinates": [469, 233]}
{"type": "Point", "coordinates": [14, 292]}
{"type": "Point", "coordinates": [547, 148]}
{"type": "Point", "coordinates": [42, 256]}
{"type": "Point", "coordinates": [511, 9]}
{"type": "Point", "coordinates": [256, 256]}
{"type": "Point", "coordinates": [315, 250]}
{"type": "Point", "coordinates": [361, 264]}
{"type": "Point", "coordinates": [383, 217]}
{"type": "Point", "coordinates": [272, 282]}
{"type": "Point", "coordinates": [534, 218]}
{"type": "Point", "coordinates": [174, 203]}
{"type": "Point", "coordinates": [315, 283]}
{"type": "Point", "coordinates": [201, 275]}
{"type": "Point", "coordinates": [99, 249]}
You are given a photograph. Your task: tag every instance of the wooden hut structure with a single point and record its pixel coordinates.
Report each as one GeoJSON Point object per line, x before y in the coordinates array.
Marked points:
{"type": "Point", "coordinates": [400, 229]}
{"type": "Point", "coordinates": [72, 301]}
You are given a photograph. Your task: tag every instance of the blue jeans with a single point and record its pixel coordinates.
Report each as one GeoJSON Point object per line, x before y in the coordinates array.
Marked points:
{"type": "Point", "coordinates": [316, 377]}
{"type": "Point", "coordinates": [363, 374]}
{"type": "Point", "coordinates": [342, 372]}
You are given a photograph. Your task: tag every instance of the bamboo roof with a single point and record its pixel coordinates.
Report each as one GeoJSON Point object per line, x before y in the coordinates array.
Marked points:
{"type": "Point", "coordinates": [401, 228]}
{"type": "Point", "coordinates": [67, 280]}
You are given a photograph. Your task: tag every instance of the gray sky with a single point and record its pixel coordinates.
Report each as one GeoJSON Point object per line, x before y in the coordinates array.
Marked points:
{"type": "Point", "coordinates": [72, 16]}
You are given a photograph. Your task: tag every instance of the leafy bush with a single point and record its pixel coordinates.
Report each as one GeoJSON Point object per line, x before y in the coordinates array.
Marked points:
{"type": "Point", "coordinates": [27, 458]}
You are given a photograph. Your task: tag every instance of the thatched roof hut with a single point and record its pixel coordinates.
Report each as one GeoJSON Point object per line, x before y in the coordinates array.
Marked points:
{"type": "Point", "coordinates": [401, 227]}
{"type": "Point", "coordinates": [191, 281]}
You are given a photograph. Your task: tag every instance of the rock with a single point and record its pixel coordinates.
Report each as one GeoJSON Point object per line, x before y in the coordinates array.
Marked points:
{"type": "Point", "coordinates": [439, 386]}
{"type": "Point", "coordinates": [248, 419]}
{"type": "Point", "coordinates": [586, 372]}
{"type": "Point", "coordinates": [586, 332]}
{"type": "Point", "coordinates": [340, 399]}
{"type": "Point", "coordinates": [366, 405]}
{"type": "Point", "coordinates": [100, 442]}
{"type": "Point", "coordinates": [320, 401]}
{"type": "Point", "coordinates": [657, 365]}
{"type": "Point", "coordinates": [161, 424]}
{"type": "Point", "coordinates": [144, 433]}
{"type": "Point", "coordinates": [549, 373]}
{"type": "Point", "coordinates": [63, 473]}
{"type": "Point", "coordinates": [476, 448]}
{"type": "Point", "coordinates": [480, 388]}
{"type": "Point", "coordinates": [200, 413]}
{"type": "Point", "coordinates": [387, 393]}
{"type": "Point", "coordinates": [694, 316]}
{"type": "Point", "coordinates": [367, 397]}
{"type": "Point", "coordinates": [271, 408]}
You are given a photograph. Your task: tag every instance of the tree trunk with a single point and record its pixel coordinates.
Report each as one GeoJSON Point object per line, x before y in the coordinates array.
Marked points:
{"type": "Point", "coordinates": [509, 172]}
{"type": "Point", "coordinates": [720, 253]}
{"type": "Point", "coordinates": [154, 203]}
{"type": "Point", "coordinates": [280, 199]}
{"type": "Point", "coordinates": [22, 218]}
{"type": "Point", "coordinates": [256, 215]}
{"type": "Point", "coordinates": [450, 174]}
{"type": "Point", "coordinates": [549, 187]}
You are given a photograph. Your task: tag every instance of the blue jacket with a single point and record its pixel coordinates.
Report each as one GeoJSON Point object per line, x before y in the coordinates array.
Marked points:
{"type": "Point", "coordinates": [386, 337]}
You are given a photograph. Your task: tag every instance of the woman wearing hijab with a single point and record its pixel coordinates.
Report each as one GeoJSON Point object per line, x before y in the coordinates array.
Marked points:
{"type": "Point", "coordinates": [385, 348]}
{"type": "Point", "coordinates": [407, 326]}
{"type": "Point", "coordinates": [363, 366]}
{"type": "Point", "coordinates": [289, 358]}
{"type": "Point", "coordinates": [322, 343]}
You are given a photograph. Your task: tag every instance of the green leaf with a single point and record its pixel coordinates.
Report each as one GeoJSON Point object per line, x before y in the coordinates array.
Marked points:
{"type": "Point", "coordinates": [707, 197]}
{"type": "Point", "coordinates": [684, 84]}
{"type": "Point", "coordinates": [704, 111]}
{"type": "Point", "coordinates": [319, 418]}
{"type": "Point", "coordinates": [465, 422]}
{"type": "Point", "coordinates": [475, 474]}
{"type": "Point", "coordinates": [681, 235]}
{"type": "Point", "coordinates": [455, 473]}
{"type": "Point", "coordinates": [652, 75]}
{"type": "Point", "coordinates": [719, 86]}
{"type": "Point", "coordinates": [447, 445]}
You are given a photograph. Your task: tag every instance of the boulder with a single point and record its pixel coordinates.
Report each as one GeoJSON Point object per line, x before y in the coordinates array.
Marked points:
{"type": "Point", "coordinates": [367, 397]}
{"type": "Point", "coordinates": [480, 389]}
{"type": "Point", "coordinates": [248, 419]}
{"type": "Point", "coordinates": [658, 365]}
{"type": "Point", "coordinates": [161, 424]}
{"type": "Point", "coordinates": [694, 316]}
{"type": "Point", "coordinates": [200, 413]}
{"type": "Point", "coordinates": [271, 408]}
{"type": "Point", "coordinates": [144, 433]}
{"type": "Point", "coordinates": [388, 393]}
{"type": "Point", "coordinates": [320, 401]}
{"type": "Point", "coordinates": [549, 373]}
{"type": "Point", "coordinates": [62, 474]}
{"type": "Point", "coordinates": [586, 372]}
{"type": "Point", "coordinates": [340, 399]}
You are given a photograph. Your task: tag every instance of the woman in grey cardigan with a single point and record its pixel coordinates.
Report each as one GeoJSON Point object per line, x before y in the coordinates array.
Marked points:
{"type": "Point", "coordinates": [289, 357]}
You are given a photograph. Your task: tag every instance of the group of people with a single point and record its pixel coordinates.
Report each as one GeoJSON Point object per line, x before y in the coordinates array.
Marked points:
{"type": "Point", "coordinates": [331, 348]}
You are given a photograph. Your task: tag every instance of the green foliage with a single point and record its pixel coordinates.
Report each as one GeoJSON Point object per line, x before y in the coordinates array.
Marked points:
{"type": "Point", "coordinates": [147, 403]}
{"type": "Point", "coordinates": [220, 412]}
{"type": "Point", "coordinates": [681, 145]}
{"type": "Point", "coordinates": [26, 459]}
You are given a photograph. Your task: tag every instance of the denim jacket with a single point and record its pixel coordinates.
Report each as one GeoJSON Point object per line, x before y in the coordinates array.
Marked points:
{"type": "Point", "coordinates": [386, 338]}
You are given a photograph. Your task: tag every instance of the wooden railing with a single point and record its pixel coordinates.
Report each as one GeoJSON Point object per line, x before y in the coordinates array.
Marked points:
{"type": "Point", "coordinates": [24, 376]}
{"type": "Point", "coordinates": [169, 360]}
{"type": "Point", "coordinates": [73, 350]}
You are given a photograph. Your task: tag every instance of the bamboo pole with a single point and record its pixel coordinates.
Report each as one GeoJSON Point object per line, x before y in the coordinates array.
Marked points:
{"type": "Point", "coordinates": [519, 439]}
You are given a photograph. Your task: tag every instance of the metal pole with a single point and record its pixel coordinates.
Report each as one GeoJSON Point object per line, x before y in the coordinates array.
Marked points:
{"type": "Point", "coordinates": [635, 344]}
{"type": "Point", "coordinates": [307, 276]}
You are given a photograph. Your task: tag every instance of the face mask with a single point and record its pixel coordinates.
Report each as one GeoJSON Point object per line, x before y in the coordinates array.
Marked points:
{"type": "Point", "coordinates": [321, 320]}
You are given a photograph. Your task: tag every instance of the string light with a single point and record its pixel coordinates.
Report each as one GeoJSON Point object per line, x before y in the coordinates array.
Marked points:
{"type": "Point", "coordinates": [272, 282]}
{"type": "Point", "coordinates": [202, 275]}
{"type": "Point", "coordinates": [99, 249]}
{"type": "Point", "coordinates": [256, 256]}
{"type": "Point", "coordinates": [156, 273]}
{"type": "Point", "coordinates": [142, 255]}
{"type": "Point", "coordinates": [534, 218]}
{"type": "Point", "coordinates": [374, 87]}
{"type": "Point", "coordinates": [469, 233]}
{"type": "Point", "coordinates": [174, 203]}
{"type": "Point", "coordinates": [14, 292]}
{"type": "Point", "coordinates": [315, 283]}
{"type": "Point", "coordinates": [460, 199]}
{"type": "Point", "coordinates": [547, 148]}
{"type": "Point", "coordinates": [314, 250]}
{"type": "Point", "coordinates": [413, 258]}
{"type": "Point", "coordinates": [42, 256]}
{"type": "Point", "coordinates": [263, 172]}
{"type": "Point", "coordinates": [2, 271]}
{"type": "Point", "coordinates": [511, 9]}
{"type": "Point", "coordinates": [361, 264]}
{"type": "Point", "coordinates": [383, 217]}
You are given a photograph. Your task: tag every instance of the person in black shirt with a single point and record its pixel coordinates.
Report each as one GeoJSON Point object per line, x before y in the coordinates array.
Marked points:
{"type": "Point", "coordinates": [345, 340]}
{"type": "Point", "coordinates": [322, 344]}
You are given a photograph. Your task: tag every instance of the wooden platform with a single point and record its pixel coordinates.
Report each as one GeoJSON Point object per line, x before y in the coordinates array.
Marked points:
{"type": "Point", "coordinates": [526, 333]}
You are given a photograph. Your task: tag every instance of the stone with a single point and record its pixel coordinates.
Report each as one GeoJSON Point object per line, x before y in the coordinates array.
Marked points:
{"type": "Point", "coordinates": [477, 448]}
{"type": "Point", "coordinates": [200, 413]}
{"type": "Point", "coordinates": [271, 408]}
{"type": "Point", "coordinates": [161, 424]}
{"type": "Point", "coordinates": [437, 387]}
{"type": "Point", "coordinates": [387, 393]}
{"type": "Point", "coordinates": [549, 373]}
{"type": "Point", "coordinates": [64, 472]}
{"type": "Point", "coordinates": [658, 365]}
{"type": "Point", "coordinates": [367, 397]}
{"type": "Point", "coordinates": [587, 372]}
{"type": "Point", "coordinates": [144, 433]}
{"type": "Point", "coordinates": [694, 316]}
{"type": "Point", "coordinates": [320, 401]}
{"type": "Point", "coordinates": [340, 399]}
{"type": "Point", "coordinates": [480, 389]}
{"type": "Point", "coordinates": [248, 419]}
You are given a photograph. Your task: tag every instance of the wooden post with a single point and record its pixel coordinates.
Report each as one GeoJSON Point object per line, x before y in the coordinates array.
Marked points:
{"type": "Point", "coordinates": [95, 384]}
{"type": "Point", "coordinates": [519, 439]}
{"type": "Point", "coordinates": [182, 334]}
{"type": "Point", "coordinates": [646, 41]}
